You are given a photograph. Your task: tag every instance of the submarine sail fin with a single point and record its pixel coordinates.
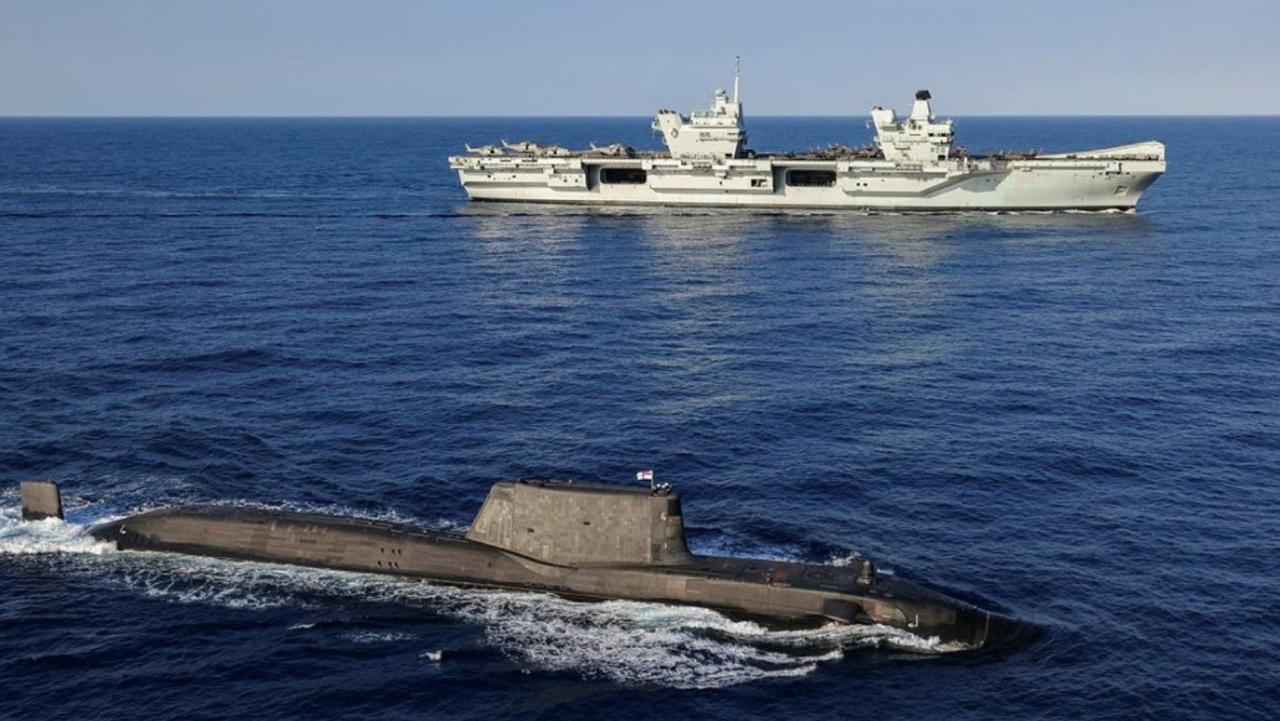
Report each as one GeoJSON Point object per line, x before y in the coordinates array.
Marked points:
{"type": "Point", "coordinates": [571, 524]}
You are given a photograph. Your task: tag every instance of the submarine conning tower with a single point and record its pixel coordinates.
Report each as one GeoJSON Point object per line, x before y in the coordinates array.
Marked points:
{"type": "Point", "coordinates": [573, 524]}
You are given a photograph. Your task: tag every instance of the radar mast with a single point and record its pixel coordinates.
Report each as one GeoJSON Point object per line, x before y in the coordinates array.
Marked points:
{"type": "Point", "coordinates": [737, 76]}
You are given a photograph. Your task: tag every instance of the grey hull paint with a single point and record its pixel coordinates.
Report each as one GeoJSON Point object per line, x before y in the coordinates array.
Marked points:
{"type": "Point", "coordinates": [851, 209]}
{"type": "Point", "coordinates": [782, 591]}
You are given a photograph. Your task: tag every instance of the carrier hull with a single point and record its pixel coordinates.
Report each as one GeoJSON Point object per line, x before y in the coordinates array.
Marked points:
{"type": "Point", "coordinates": [1107, 179]}
{"type": "Point", "coordinates": [912, 164]}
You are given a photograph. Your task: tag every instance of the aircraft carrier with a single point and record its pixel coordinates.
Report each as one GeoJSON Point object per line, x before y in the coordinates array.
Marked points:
{"type": "Point", "coordinates": [577, 540]}
{"type": "Point", "coordinates": [913, 165]}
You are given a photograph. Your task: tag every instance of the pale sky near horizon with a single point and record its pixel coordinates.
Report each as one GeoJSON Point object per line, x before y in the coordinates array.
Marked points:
{"type": "Point", "coordinates": [495, 57]}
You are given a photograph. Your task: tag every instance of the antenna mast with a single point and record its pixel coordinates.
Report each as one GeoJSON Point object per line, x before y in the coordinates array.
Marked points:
{"type": "Point", "coordinates": [737, 72]}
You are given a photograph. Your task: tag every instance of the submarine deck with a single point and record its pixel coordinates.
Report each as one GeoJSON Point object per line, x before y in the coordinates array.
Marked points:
{"type": "Point", "coordinates": [793, 574]}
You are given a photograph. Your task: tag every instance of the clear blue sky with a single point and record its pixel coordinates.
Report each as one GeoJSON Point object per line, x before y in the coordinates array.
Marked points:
{"type": "Point", "coordinates": [479, 57]}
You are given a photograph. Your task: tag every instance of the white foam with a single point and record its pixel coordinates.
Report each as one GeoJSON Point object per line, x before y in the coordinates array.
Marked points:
{"type": "Point", "coordinates": [51, 535]}
{"type": "Point", "coordinates": [626, 642]}
{"type": "Point", "coordinates": [379, 637]}
{"type": "Point", "coordinates": [634, 643]}
{"type": "Point", "coordinates": [847, 559]}
{"type": "Point", "coordinates": [195, 580]}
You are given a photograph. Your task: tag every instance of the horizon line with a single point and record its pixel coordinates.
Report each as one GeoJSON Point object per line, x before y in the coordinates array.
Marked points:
{"type": "Point", "coordinates": [593, 117]}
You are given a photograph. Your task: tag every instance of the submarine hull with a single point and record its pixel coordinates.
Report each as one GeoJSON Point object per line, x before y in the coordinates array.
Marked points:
{"type": "Point", "coordinates": [786, 592]}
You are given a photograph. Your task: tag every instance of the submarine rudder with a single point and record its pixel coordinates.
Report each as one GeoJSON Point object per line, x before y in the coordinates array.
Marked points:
{"type": "Point", "coordinates": [40, 500]}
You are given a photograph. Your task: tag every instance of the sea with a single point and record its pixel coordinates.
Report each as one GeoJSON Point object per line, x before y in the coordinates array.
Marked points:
{"type": "Point", "coordinates": [1069, 417]}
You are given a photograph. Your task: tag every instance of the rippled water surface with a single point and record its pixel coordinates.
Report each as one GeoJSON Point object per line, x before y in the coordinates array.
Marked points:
{"type": "Point", "coordinates": [1070, 417]}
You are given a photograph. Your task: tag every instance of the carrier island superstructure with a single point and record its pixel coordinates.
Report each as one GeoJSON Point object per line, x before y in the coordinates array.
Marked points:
{"type": "Point", "coordinates": [912, 165]}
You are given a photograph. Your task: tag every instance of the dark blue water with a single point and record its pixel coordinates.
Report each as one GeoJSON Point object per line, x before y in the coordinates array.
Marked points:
{"type": "Point", "coordinates": [1072, 417]}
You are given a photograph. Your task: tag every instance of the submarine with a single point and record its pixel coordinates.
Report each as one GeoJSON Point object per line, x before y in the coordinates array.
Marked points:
{"type": "Point", "coordinates": [581, 541]}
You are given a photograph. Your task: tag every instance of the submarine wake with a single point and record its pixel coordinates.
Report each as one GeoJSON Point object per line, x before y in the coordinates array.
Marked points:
{"type": "Point", "coordinates": [47, 537]}
{"type": "Point", "coordinates": [628, 642]}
